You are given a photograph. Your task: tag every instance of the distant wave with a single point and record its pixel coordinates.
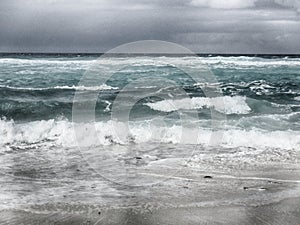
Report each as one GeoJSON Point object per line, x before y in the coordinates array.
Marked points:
{"type": "Point", "coordinates": [80, 88]}
{"type": "Point", "coordinates": [243, 61]}
{"type": "Point", "coordinates": [260, 87]}
{"type": "Point", "coordinates": [224, 104]}
{"type": "Point", "coordinates": [251, 61]}
{"type": "Point", "coordinates": [45, 60]}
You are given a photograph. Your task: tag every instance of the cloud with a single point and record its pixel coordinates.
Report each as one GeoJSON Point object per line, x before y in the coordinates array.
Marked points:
{"type": "Point", "coordinates": [210, 26]}
{"type": "Point", "coordinates": [221, 4]}
{"type": "Point", "coordinates": [289, 3]}
{"type": "Point", "coordinates": [241, 4]}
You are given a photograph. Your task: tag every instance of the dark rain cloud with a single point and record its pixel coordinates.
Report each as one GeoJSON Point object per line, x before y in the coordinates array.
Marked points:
{"type": "Point", "coordinates": [210, 26]}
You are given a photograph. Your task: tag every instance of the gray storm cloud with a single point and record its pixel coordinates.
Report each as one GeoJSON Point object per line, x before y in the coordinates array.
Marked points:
{"type": "Point", "coordinates": [204, 26]}
{"type": "Point", "coordinates": [238, 4]}
{"type": "Point", "coordinates": [228, 4]}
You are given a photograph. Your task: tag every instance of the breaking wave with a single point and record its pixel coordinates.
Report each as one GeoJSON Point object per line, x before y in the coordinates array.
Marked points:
{"type": "Point", "coordinates": [224, 104]}
{"type": "Point", "coordinates": [62, 133]}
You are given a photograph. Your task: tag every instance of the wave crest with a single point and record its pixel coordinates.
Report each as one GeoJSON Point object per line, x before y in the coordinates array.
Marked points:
{"type": "Point", "coordinates": [78, 88]}
{"type": "Point", "coordinates": [62, 133]}
{"type": "Point", "coordinates": [224, 104]}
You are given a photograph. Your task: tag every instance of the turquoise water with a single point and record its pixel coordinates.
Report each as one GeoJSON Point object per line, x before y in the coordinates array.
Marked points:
{"type": "Point", "coordinates": [261, 99]}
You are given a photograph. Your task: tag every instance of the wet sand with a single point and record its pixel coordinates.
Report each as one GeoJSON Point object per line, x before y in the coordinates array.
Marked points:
{"type": "Point", "coordinates": [210, 199]}
{"type": "Point", "coordinates": [40, 189]}
{"type": "Point", "coordinates": [284, 212]}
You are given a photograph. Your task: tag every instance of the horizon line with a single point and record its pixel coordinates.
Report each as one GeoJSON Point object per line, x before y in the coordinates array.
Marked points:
{"type": "Point", "coordinates": [152, 54]}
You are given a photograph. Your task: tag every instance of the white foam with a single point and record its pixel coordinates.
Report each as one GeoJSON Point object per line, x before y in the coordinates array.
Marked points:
{"type": "Point", "coordinates": [297, 98]}
{"type": "Point", "coordinates": [36, 61]}
{"type": "Point", "coordinates": [62, 133]}
{"type": "Point", "coordinates": [147, 60]}
{"type": "Point", "coordinates": [250, 61]}
{"type": "Point", "coordinates": [79, 88]}
{"type": "Point", "coordinates": [224, 104]}
{"type": "Point", "coordinates": [196, 62]}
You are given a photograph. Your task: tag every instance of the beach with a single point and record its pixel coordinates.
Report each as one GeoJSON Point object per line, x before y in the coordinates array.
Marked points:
{"type": "Point", "coordinates": [43, 191]}
{"type": "Point", "coordinates": [183, 199]}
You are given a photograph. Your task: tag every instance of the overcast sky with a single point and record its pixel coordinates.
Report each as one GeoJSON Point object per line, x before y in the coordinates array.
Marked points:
{"type": "Point", "coordinates": [204, 26]}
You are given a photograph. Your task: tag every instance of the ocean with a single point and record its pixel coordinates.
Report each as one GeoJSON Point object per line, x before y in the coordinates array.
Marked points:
{"type": "Point", "coordinates": [146, 127]}
{"type": "Point", "coordinates": [261, 97]}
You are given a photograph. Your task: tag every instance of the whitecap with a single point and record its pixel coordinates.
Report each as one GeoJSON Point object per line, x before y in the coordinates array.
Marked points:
{"type": "Point", "coordinates": [79, 88]}
{"type": "Point", "coordinates": [62, 133]}
{"type": "Point", "coordinates": [297, 98]}
{"type": "Point", "coordinates": [223, 104]}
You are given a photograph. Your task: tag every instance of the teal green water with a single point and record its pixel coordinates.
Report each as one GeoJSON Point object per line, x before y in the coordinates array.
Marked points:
{"type": "Point", "coordinates": [260, 94]}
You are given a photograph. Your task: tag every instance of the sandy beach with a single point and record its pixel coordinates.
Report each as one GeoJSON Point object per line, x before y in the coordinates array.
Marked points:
{"type": "Point", "coordinates": [279, 212]}
{"type": "Point", "coordinates": [74, 194]}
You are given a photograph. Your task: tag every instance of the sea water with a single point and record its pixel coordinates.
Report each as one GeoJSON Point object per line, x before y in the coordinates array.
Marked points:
{"type": "Point", "coordinates": [260, 97]}
{"type": "Point", "coordinates": [258, 119]}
